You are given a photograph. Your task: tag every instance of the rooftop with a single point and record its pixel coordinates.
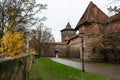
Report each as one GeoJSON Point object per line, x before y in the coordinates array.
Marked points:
{"type": "Point", "coordinates": [92, 14]}
{"type": "Point", "coordinates": [68, 27]}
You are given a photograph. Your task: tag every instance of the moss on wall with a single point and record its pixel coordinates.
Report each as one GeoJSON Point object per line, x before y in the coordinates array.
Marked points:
{"type": "Point", "coordinates": [15, 68]}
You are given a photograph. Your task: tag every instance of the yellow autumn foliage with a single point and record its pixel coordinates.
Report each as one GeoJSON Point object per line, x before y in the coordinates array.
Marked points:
{"type": "Point", "coordinates": [12, 44]}
{"type": "Point", "coordinates": [12, 13]}
{"type": "Point", "coordinates": [32, 52]}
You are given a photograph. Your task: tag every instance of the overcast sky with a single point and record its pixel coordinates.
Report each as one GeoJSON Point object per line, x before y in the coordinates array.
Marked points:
{"type": "Point", "coordinates": [59, 12]}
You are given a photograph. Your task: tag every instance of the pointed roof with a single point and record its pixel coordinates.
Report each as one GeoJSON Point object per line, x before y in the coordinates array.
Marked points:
{"type": "Point", "coordinates": [92, 14]}
{"type": "Point", "coordinates": [68, 27]}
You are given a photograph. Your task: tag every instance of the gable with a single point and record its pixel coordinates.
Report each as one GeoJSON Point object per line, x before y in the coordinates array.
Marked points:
{"type": "Point", "coordinates": [92, 14]}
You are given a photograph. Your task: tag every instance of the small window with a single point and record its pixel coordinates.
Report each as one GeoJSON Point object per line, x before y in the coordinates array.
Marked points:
{"type": "Point", "coordinates": [94, 50]}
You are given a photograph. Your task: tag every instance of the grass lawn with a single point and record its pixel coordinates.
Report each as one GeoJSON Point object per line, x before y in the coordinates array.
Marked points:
{"type": "Point", "coordinates": [46, 69]}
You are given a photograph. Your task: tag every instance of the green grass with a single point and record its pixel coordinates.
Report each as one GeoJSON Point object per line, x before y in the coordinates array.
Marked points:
{"type": "Point", "coordinates": [46, 69]}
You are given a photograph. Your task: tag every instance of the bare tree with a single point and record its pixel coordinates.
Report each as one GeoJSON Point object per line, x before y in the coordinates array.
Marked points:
{"type": "Point", "coordinates": [16, 12]}
{"type": "Point", "coordinates": [115, 8]}
{"type": "Point", "coordinates": [42, 38]}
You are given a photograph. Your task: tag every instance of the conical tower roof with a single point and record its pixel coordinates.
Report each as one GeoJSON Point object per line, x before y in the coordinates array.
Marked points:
{"type": "Point", "coordinates": [92, 14]}
{"type": "Point", "coordinates": [68, 27]}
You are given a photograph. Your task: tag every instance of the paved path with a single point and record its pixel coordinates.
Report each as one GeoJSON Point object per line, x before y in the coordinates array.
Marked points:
{"type": "Point", "coordinates": [112, 73]}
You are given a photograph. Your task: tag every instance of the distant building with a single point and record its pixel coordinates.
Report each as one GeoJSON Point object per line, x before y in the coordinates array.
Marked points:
{"type": "Point", "coordinates": [67, 33]}
{"type": "Point", "coordinates": [59, 49]}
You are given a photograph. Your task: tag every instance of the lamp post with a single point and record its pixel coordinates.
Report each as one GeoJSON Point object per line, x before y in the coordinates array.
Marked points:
{"type": "Point", "coordinates": [82, 40]}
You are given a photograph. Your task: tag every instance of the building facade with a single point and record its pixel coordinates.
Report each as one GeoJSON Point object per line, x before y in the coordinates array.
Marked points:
{"type": "Point", "coordinates": [98, 29]}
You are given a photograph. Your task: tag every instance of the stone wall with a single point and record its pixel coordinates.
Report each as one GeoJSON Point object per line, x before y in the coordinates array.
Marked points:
{"type": "Point", "coordinates": [15, 68]}
{"type": "Point", "coordinates": [92, 41]}
{"type": "Point", "coordinates": [58, 47]}
{"type": "Point", "coordinates": [74, 51]}
{"type": "Point", "coordinates": [74, 47]}
{"type": "Point", "coordinates": [111, 42]}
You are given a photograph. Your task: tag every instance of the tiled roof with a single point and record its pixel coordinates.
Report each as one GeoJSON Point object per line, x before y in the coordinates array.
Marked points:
{"type": "Point", "coordinates": [115, 17]}
{"type": "Point", "coordinates": [92, 14]}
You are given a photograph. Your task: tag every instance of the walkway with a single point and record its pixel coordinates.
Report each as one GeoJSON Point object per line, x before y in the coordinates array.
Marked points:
{"type": "Point", "coordinates": [112, 73]}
